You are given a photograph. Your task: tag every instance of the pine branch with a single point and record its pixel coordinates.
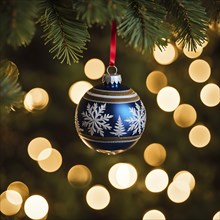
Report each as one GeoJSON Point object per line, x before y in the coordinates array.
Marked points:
{"type": "Point", "coordinates": [17, 25]}
{"type": "Point", "coordinates": [213, 10]}
{"type": "Point", "coordinates": [11, 94]}
{"type": "Point", "coordinates": [144, 25]}
{"type": "Point", "coordinates": [67, 35]}
{"type": "Point", "coordinates": [190, 21]}
{"type": "Point", "coordinates": [91, 11]}
{"type": "Point", "coordinates": [99, 11]}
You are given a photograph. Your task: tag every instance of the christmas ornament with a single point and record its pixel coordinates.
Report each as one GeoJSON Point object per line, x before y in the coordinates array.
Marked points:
{"type": "Point", "coordinates": [110, 118]}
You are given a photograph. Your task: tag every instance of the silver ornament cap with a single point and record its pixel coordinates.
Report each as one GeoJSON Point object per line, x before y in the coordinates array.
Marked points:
{"type": "Point", "coordinates": [112, 77]}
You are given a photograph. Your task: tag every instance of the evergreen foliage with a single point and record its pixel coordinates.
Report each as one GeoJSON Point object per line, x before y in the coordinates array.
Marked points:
{"type": "Point", "coordinates": [68, 36]}
{"type": "Point", "coordinates": [191, 21]}
{"type": "Point", "coordinates": [11, 94]}
{"type": "Point", "coordinates": [17, 25]}
{"type": "Point", "coordinates": [144, 25]}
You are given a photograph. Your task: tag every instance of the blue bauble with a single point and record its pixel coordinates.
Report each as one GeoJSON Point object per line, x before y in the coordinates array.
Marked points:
{"type": "Point", "coordinates": [110, 118]}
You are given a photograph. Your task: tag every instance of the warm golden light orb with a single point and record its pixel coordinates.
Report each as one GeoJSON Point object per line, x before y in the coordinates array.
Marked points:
{"type": "Point", "coordinates": [154, 215]}
{"type": "Point", "coordinates": [191, 53]}
{"type": "Point", "coordinates": [199, 136]}
{"type": "Point", "coordinates": [94, 68]}
{"type": "Point", "coordinates": [155, 154]}
{"type": "Point", "coordinates": [166, 55]}
{"type": "Point", "coordinates": [19, 187]}
{"type": "Point", "coordinates": [79, 176]}
{"type": "Point", "coordinates": [36, 146]}
{"type": "Point", "coordinates": [122, 175]}
{"type": "Point", "coordinates": [78, 89]}
{"type": "Point", "coordinates": [210, 95]}
{"type": "Point", "coordinates": [185, 177]}
{"type": "Point", "coordinates": [156, 180]}
{"type": "Point", "coordinates": [98, 197]}
{"type": "Point", "coordinates": [36, 99]}
{"type": "Point", "coordinates": [10, 202]}
{"type": "Point", "coordinates": [53, 162]}
{"type": "Point", "coordinates": [178, 191]}
{"type": "Point", "coordinates": [155, 81]}
{"type": "Point", "coordinates": [185, 115]}
{"type": "Point", "coordinates": [168, 99]}
{"type": "Point", "coordinates": [36, 207]}
{"type": "Point", "coordinates": [199, 70]}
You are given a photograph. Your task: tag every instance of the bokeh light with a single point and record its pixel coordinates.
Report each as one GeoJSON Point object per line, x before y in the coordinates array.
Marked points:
{"type": "Point", "coordinates": [154, 215]}
{"type": "Point", "coordinates": [78, 89]}
{"type": "Point", "coordinates": [36, 207]}
{"type": "Point", "coordinates": [178, 191]}
{"type": "Point", "coordinates": [155, 154]}
{"type": "Point", "coordinates": [6, 207]}
{"type": "Point", "coordinates": [168, 99]}
{"type": "Point", "coordinates": [210, 95]}
{"type": "Point", "coordinates": [185, 115]}
{"type": "Point", "coordinates": [185, 177]}
{"type": "Point", "coordinates": [19, 187]}
{"type": "Point", "coordinates": [216, 216]}
{"type": "Point", "coordinates": [199, 70]}
{"type": "Point", "coordinates": [191, 53]}
{"type": "Point", "coordinates": [14, 197]}
{"type": "Point", "coordinates": [156, 180]}
{"type": "Point", "coordinates": [122, 175]}
{"type": "Point", "coordinates": [51, 163]}
{"type": "Point", "coordinates": [79, 176]}
{"type": "Point", "coordinates": [36, 146]}
{"type": "Point", "coordinates": [94, 68]}
{"type": "Point", "coordinates": [36, 99]}
{"type": "Point", "coordinates": [199, 136]}
{"type": "Point", "coordinates": [155, 81]}
{"type": "Point", "coordinates": [165, 56]}
{"type": "Point", "coordinates": [98, 197]}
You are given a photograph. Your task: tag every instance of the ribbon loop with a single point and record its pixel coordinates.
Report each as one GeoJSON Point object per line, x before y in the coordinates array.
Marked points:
{"type": "Point", "coordinates": [113, 45]}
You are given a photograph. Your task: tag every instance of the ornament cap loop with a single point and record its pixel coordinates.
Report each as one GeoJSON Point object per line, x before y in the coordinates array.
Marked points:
{"type": "Point", "coordinates": [112, 70]}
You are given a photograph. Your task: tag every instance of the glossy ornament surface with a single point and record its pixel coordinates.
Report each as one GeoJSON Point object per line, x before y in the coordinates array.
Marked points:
{"type": "Point", "coordinates": [110, 118]}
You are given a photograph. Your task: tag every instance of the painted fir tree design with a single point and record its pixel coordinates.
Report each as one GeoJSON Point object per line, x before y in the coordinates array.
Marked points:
{"type": "Point", "coordinates": [137, 121]}
{"type": "Point", "coordinates": [95, 120]}
{"type": "Point", "coordinates": [119, 129]}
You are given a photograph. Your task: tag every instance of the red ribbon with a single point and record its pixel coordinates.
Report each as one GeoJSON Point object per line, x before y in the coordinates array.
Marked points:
{"type": "Point", "coordinates": [113, 45]}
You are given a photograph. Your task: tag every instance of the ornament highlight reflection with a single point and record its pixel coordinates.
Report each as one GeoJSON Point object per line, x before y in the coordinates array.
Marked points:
{"type": "Point", "coordinates": [98, 197]}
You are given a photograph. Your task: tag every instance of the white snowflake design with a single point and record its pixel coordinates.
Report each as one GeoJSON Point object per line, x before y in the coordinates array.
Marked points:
{"type": "Point", "coordinates": [119, 129]}
{"type": "Point", "coordinates": [79, 129]}
{"type": "Point", "coordinates": [137, 121]}
{"type": "Point", "coordinates": [95, 120]}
